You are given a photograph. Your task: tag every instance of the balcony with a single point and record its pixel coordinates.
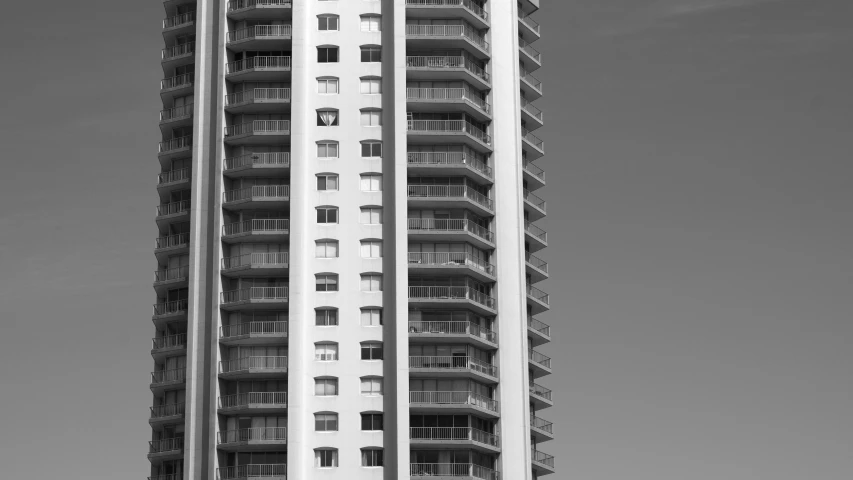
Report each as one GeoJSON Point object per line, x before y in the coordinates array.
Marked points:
{"type": "Point", "coordinates": [444, 296]}
{"type": "Point", "coordinates": [184, 51]}
{"type": "Point", "coordinates": [444, 367]}
{"type": "Point", "coordinates": [528, 25]}
{"type": "Point", "coordinates": [532, 145]}
{"type": "Point", "coordinates": [449, 402]}
{"type": "Point", "coordinates": [258, 69]}
{"type": "Point", "coordinates": [439, 229]}
{"type": "Point", "coordinates": [543, 464]}
{"type": "Point", "coordinates": [163, 379]}
{"type": "Point", "coordinates": [438, 263]}
{"type": "Point", "coordinates": [531, 53]}
{"type": "Point", "coordinates": [262, 437]}
{"type": "Point", "coordinates": [447, 68]}
{"type": "Point", "coordinates": [540, 396]}
{"type": "Point", "coordinates": [538, 331]}
{"type": "Point", "coordinates": [170, 278]}
{"type": "Point", "coordinates": [259, 37]}
{"type": "Point", "coordinates": [254, 333]}
{"type": "Point", "coordinates": [257, 230]}
{"type": "Point", "coordinates": [540, 301]}
{"type": "Point", "coordinates": [170, 245]}
{"type": "Point", "coordinates": [443, 99]}
{"type": "Point", "coordinates": [253, 471]}
{"type": "Point", "coordinates": [533, 174]}
{"type": "Point", "coordinates": [459, 331]}
{"type": "Point", "coordinates": [269, 164]}
{"type": "Point", "coordinates": [170, 212]}
{"type": "Point", "coordinates": [253, 367]}
{"type": "Point", "coordinates": [535, 207]}
{"type": "Point", "coordinates": [254, 297]}
{"type": "Point", "coordinates": [173, 180]}
{"type": "Point", "coordinates": [242, 9]}
{"type": "Point", "coordinates": [448, 37]}
{"type": "Point", "coordinates": [172, 412]}
{"type": "Point", "coordinates": [536, 237]}
{"type": "Point", "coordinates": [443, 437]}
{"type": "Point", "coordinates": [452, 471]}
{"type": "Point", "coordinates": [465, 9]}
{"type": "Point", "coordinates": [530, 85]}
{"type": "Point", "coordinates": [257, 132]}
{"type": "Point", "coordinates": [539, 364]}
{"type": "Point", "coordinates": [256, 265]}
{"type": "Point", "coordinates": [176, 147]}
{"type": "Point", "coordinates": [536, 268]}
{"type": "Point", "coordinates": [542, 430]}
{"type": "Point", "coordinates": [167, 311]}
{"type": "Point", "coordinates": [531, 114]}
{"type": "Point", "coordinates": [176, 85]}
{"type": "Point", "coordinates": [177, 116]}
{"type": "Point", "coordinates": [257, 100]}
{"type": "Point", "coordinates": [450, 131]}
{"type": "Point", "coordinates": [179, 22]}
{"type": "Point", "coordinates": [253, 402]}
{"type": "Point", "coordinates": [257, 197]}
{"type": "Point", "coordinates": [449, 163]}
{"type": "Point", "coordinates": [166, 449]}
{"type": "Point", "coordinates": [449, 197]}
{"type": "Point", "coordinates": [168, 345]}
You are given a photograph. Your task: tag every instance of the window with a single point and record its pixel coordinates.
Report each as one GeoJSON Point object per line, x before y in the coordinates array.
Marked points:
{"type": "Point", "coordinates": [327, 22]}
{"type": "Point", "coordinates": [327, 215]}
{"type": "Point", "coordinates": [371, 317]}
{"type": "Point", "coordinates": [371, 421]}
{"type": "Point", "coordinates": [371, 182]}
{"type": "Point", "coordinates": [371, 457]}
{"type": "Point", "coordinates": [325, 387]}
{"type": "Point", "coordinates": [371, 385]}
{"type": "Point", "coordinates": [327, 118]}
{"type": "Point", "coordinates": [371, 248]}
{"type": "Point", "coordinates": [326, 317]}
{"type": "Point", "coordinates": [326, 422]}
{"type": "Point", "coordinates": [326, 351]}
{"type": "Point", "coordinates": [371, 351]}
{"type": "Point", "coordinates": [371, 149]}
{"type": "Point", "coordinates": [371, 118]}
{"type": "Point", "coordinates": [371, 23]}
{"type": "Point", "coordinates": [326, 248]}
{"type": "Point", "coordinates": [371, 215]}
{"type": "Point", "coordinates": [371, 86]}
{"type": "Point", "coordinates": [327, 282]}
{"type": "Point", "coordinates": [370, 54]}
{"type": "Point", "coordinates": [327, 85]}
{"type": "Point", "coordinates": [327, 181]}
{"type": "Point", "coordinates": [327, 54]}
{"type": "Point", "coordinates": [371, 282]}
{"type": "Point", "coordinates": [326, 458]}
{"type": "Point", "coordinates": [327, 150]}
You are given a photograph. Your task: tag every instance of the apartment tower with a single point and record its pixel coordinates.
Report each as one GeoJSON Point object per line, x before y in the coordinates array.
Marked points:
{"type": "Point", "coordinates": [347, 247]}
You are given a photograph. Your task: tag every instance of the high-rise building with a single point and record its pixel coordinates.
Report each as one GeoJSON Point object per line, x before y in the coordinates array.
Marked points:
{"type": "Point", "coordinates": [347, 242]}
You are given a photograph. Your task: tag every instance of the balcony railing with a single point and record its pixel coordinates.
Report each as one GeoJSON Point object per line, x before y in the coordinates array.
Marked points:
{"type": "Point", "coordinates": [278, 159]}
{"type": "Point", "coordinates": [184, 80]}
{"type": "Point", "coordinates": [451, 225]}
{"type": "Point", "coordinates": [451, 293]}
{"type": "Point", "coordinates": [261, 434]}
{"type": "Point", "coordinates": [171, 476]}
{"type": "Point", "coordinates": [169, 341]}
{"type": "Point", "coordinates": [169, 274]}
{"type": "Point", "coordinates": [176, 144]}
{"type": "Point", "coordinates": [537, 357]}
{"type": "Point", "coordinates": [539, 424]}
{"type": "Point", "coordinates": [429, 62]}
{"type": "Point", "coordinates": [253, 471]}
{"type": "Point", "coordinates": [526, 48]}
{"type": "Point", "coordinates": [173, 208]}
{"type": "Point", "coordinates": [534, 170]}
{"type": "Point", "coordinates": [167, 308]}
{"type": "Point", "coordinates": [178, 20]}
{"type": "Point", "coordinates": [448, 94]}
{"type": "Point", "coordinates": [451, 191]}
{"type": "Point", "coordinates": [258, 225]}
{"type": "Point", "coordinates": [255, 293]}
{"type": "Point", "coordinates": [270, 328]}
{"type": "Point", "coordinates": [253, 398]}
{"type": "Point", "coordinates": [259, 127]}
{"type": "Point", "coordinates": [258, 192]}
{"type": "Point", "coordinates": [173, 176]}
{"type": "Point", "coordinates": [169, 410]}
{"type": "Point", "coordinates": [533, 24]}
{"type": "Point", "coordinates": [258, 95]}
{"type": "Point", "coordinates": [467, 4]}
{"type": "Point", "coordinates": [168, 376]}
{"type": "Point", "coordinates": [458, 327]}
{"type": "Point", "coordinates": [449, 126]}
{"type": "Point", "coordinates": [531, 109]}
{"type": "Point", "coordinates": [451, 259]}
{"type": "Point", "coordinates": [535, 200]}
{"type": "Point", "coordinates": [448, 158]}
{"type": "Point", "coordinates": [454, 433]}
{"type": "Point", "coordinates": [538, 294]}
{"type": "Point", "coordinates": [536, 141]}
{"type": "Point", "coordinates": [180, 239]}
{"type": "Point", "coordinates": [166, 445]}
{"type": "Point", "coordinates": [270, 260]}
{"type": "Point", "coordinates": [536, 232]}
{"type": "Point", "coordinates": [260, 31]}
{"type": "Point", "coordinates": [454, 398]}
{"type": "Point", "coordinates": [265, 62]}
{"type": "Point", "coordinates": [539, 326]}
{"type": "Point", "coordinates": [453, 363]}
{"type": "Point", "coordinates": [452, 470]}
{"type": "Point", "coordinates": [537, 262]}
{"type": "Point", "coordinates": [178, 50]}
{"type": "Point", "coordinates": [241, 4]}
{"type": "Point", "coordinates": [252, 363]}
{"type": "Point", "coordinates": [540, 391]}
{"type": "Point", "coordinates": [441, 31]}
{"type": "Point", "coordinates": [176, 112]}
{"type": "Point", "coordinates": [542, 458]}
{"type": "Point", "coordinates": [533, 81]}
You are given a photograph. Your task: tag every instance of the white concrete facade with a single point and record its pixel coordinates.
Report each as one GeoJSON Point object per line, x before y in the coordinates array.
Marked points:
{"type": "Point", "coordinates": [345, 281]}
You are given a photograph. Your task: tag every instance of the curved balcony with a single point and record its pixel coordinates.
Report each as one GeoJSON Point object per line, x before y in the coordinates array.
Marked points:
{"type": "Point", "coordinates": [258, 69]}
{"type": "Point", "coordinates": [423, 67]}
{"type": "Point", "coordinates": [535, 236]}
{"type": "Point", "coordinates": [184, 21]}
{"type": "Point", "coordinates": [530, 85]}
{"type": "Point", "coordinates": [173, 180]}
{"type": "Point", "coordinates": [169, 311]}
{"type": "Point", "coordinates": [245, 439]}
{"type": "Point", "coordinates": [177, 85]}
{"type": "Point", "coordinates": [259, 9]}
{"type": "Point", "coordinates": [257, 230]}
{"type": "Point", "coordinates": [453, 332]}
{"type": "Point", "coordinates": [531, 114]}
{"type": "Point", "coordinates": [533, 174]}
{"type": "Point", "coordinates": [532, 145]}
{"type": "Point", "coordinates": [253, 402]}
{"type": "Point", "coordinates": [452, 471]}
{"type": "Point", "coordinates": [177, 116]}
{"type": "Point", "coordinates": [465, 9]}
{"type": "Point", "coordinates": [536, 268]}
{"type": "Point", "coordinates": [259, 37]}
{"type": "Point", "coordinates": [257, 197]}
{"type": "Point", "coordinates": [543, 464]}
{"type": "Point", "coordinates": [444, 296]}
{"type": "Point", "coordinates": [253, 367]}
{"type": "Point", "coordinates": [538, 332]}
{"type": "Point", "coordinates": [539, 300]}
{"type": "Point", "coordinates": [257, 100]}
{"type": "Point", "coordinates": [450, 229]}
{"type": "Point", "coordinates": [425, 437]}
{"type": "Point", "coordinates": [528, 26]}
{"type": "Point", "coordinates": [451, 262]}
{"type": "Point", "coordinates": [170, 278]}
{"type": "Point", "coordinates": [254, 333]}
{"type": "Point", "coordinates": [542, 430]}
{"type": "Point", "coordinates": [539, 364]}
{"type": "Point", "coordinates": [257, 132]}
{"type": "Point", "coordinates": [445, 99]}
{"type": "Point", "coordinates": [254, 297]}
{"type": "Point", "coordinates": [166, 449]}
{"type": "Point", "coordinates": [253, 471]}
{"type": "Point", "coordinates": [444, 367]}
{"type": "Point", "coordinates": [535, 207]}
{"type": "Point", "coordinates": [268, 164]}
{"type": "Point", "coordinates": [163, 379]}
{"type": "Point", "coordinates": [531, 54]}
{"type": "Point", "coordinates": [169, 413]}
{"type": "Point", "coordinates": [176, 147]}
{"type": "Point", "coordinates": [540, 396]}
{"type": "Point", "coordinates": [171, 245]}
{"type": "Point", "coordinates": [448, 37]}
{"type": "Point", "coordinates": [256, 265]}
{"type": "Point", "coordinates": [450, 131]}
{"type": "Point", "coordinates": [167, 346]}
{"type": "Point", "coordinates": [450, 402]}
{"type": "Point", "coordinates": [449, 163]}
{"type": "Point", "coordinates": [450, 196]}
{"type": "Point", "coordinates": [170, 212]}
{"type": "Point", "coordinates": [184, 51]}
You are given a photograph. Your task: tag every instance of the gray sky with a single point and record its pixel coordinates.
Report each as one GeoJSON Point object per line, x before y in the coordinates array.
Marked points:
{"type": "Point", "coordinates": [699, 181]}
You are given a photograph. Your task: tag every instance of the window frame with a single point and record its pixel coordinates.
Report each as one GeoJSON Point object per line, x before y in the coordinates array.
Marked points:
{"type": "Point", "coordinates": [328, 81]}
{"type": "Point", "coordinates": [329, 315]}
{"type": "Point", "coordinates": [370, 18]}
{"type": "Point", "coordinates": [370, 277]}
{"type": "Point", "coordinates": [326, 177]}
{"type": "Point", "coordinates": [371, 348]}
{"type": "Point", "coordinates": [327, 17]}
{"type": "Point", "coordinates": [372, 381]}
{"type": "Point", "coordinates": [373, 115]}
{"type": "Point", "coordinates": [326, 215]}
{"type": "Point", "coordinates": [370, 211]}
{"type": "Point", "coordinates": [372, 416]}
{"type": "Point", "coordinates": [326, 282]}
{"type": "Point", "coordinates": [370, 311]}
{"type": "Point", "coordinates": [328, 418]}
{"type": "Point", "coordinates": [324, 52]}
{"type": "Point", "coordinates": [371, 243]}
{"type": "Point", "coordinates": [327, 357]}
{"type": "Point", "coordinates": [327, 382]}
{"type": "Point", "coordinates": [372, 457]}
{"type": "Point", "coordinates": [374, 53]}
{"type": "Point", "coordinates": [370, 82]}
{"type": "Point", "coordinates": [319, 458]}
{"type": "Point", "coordinates": [335, 122]}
